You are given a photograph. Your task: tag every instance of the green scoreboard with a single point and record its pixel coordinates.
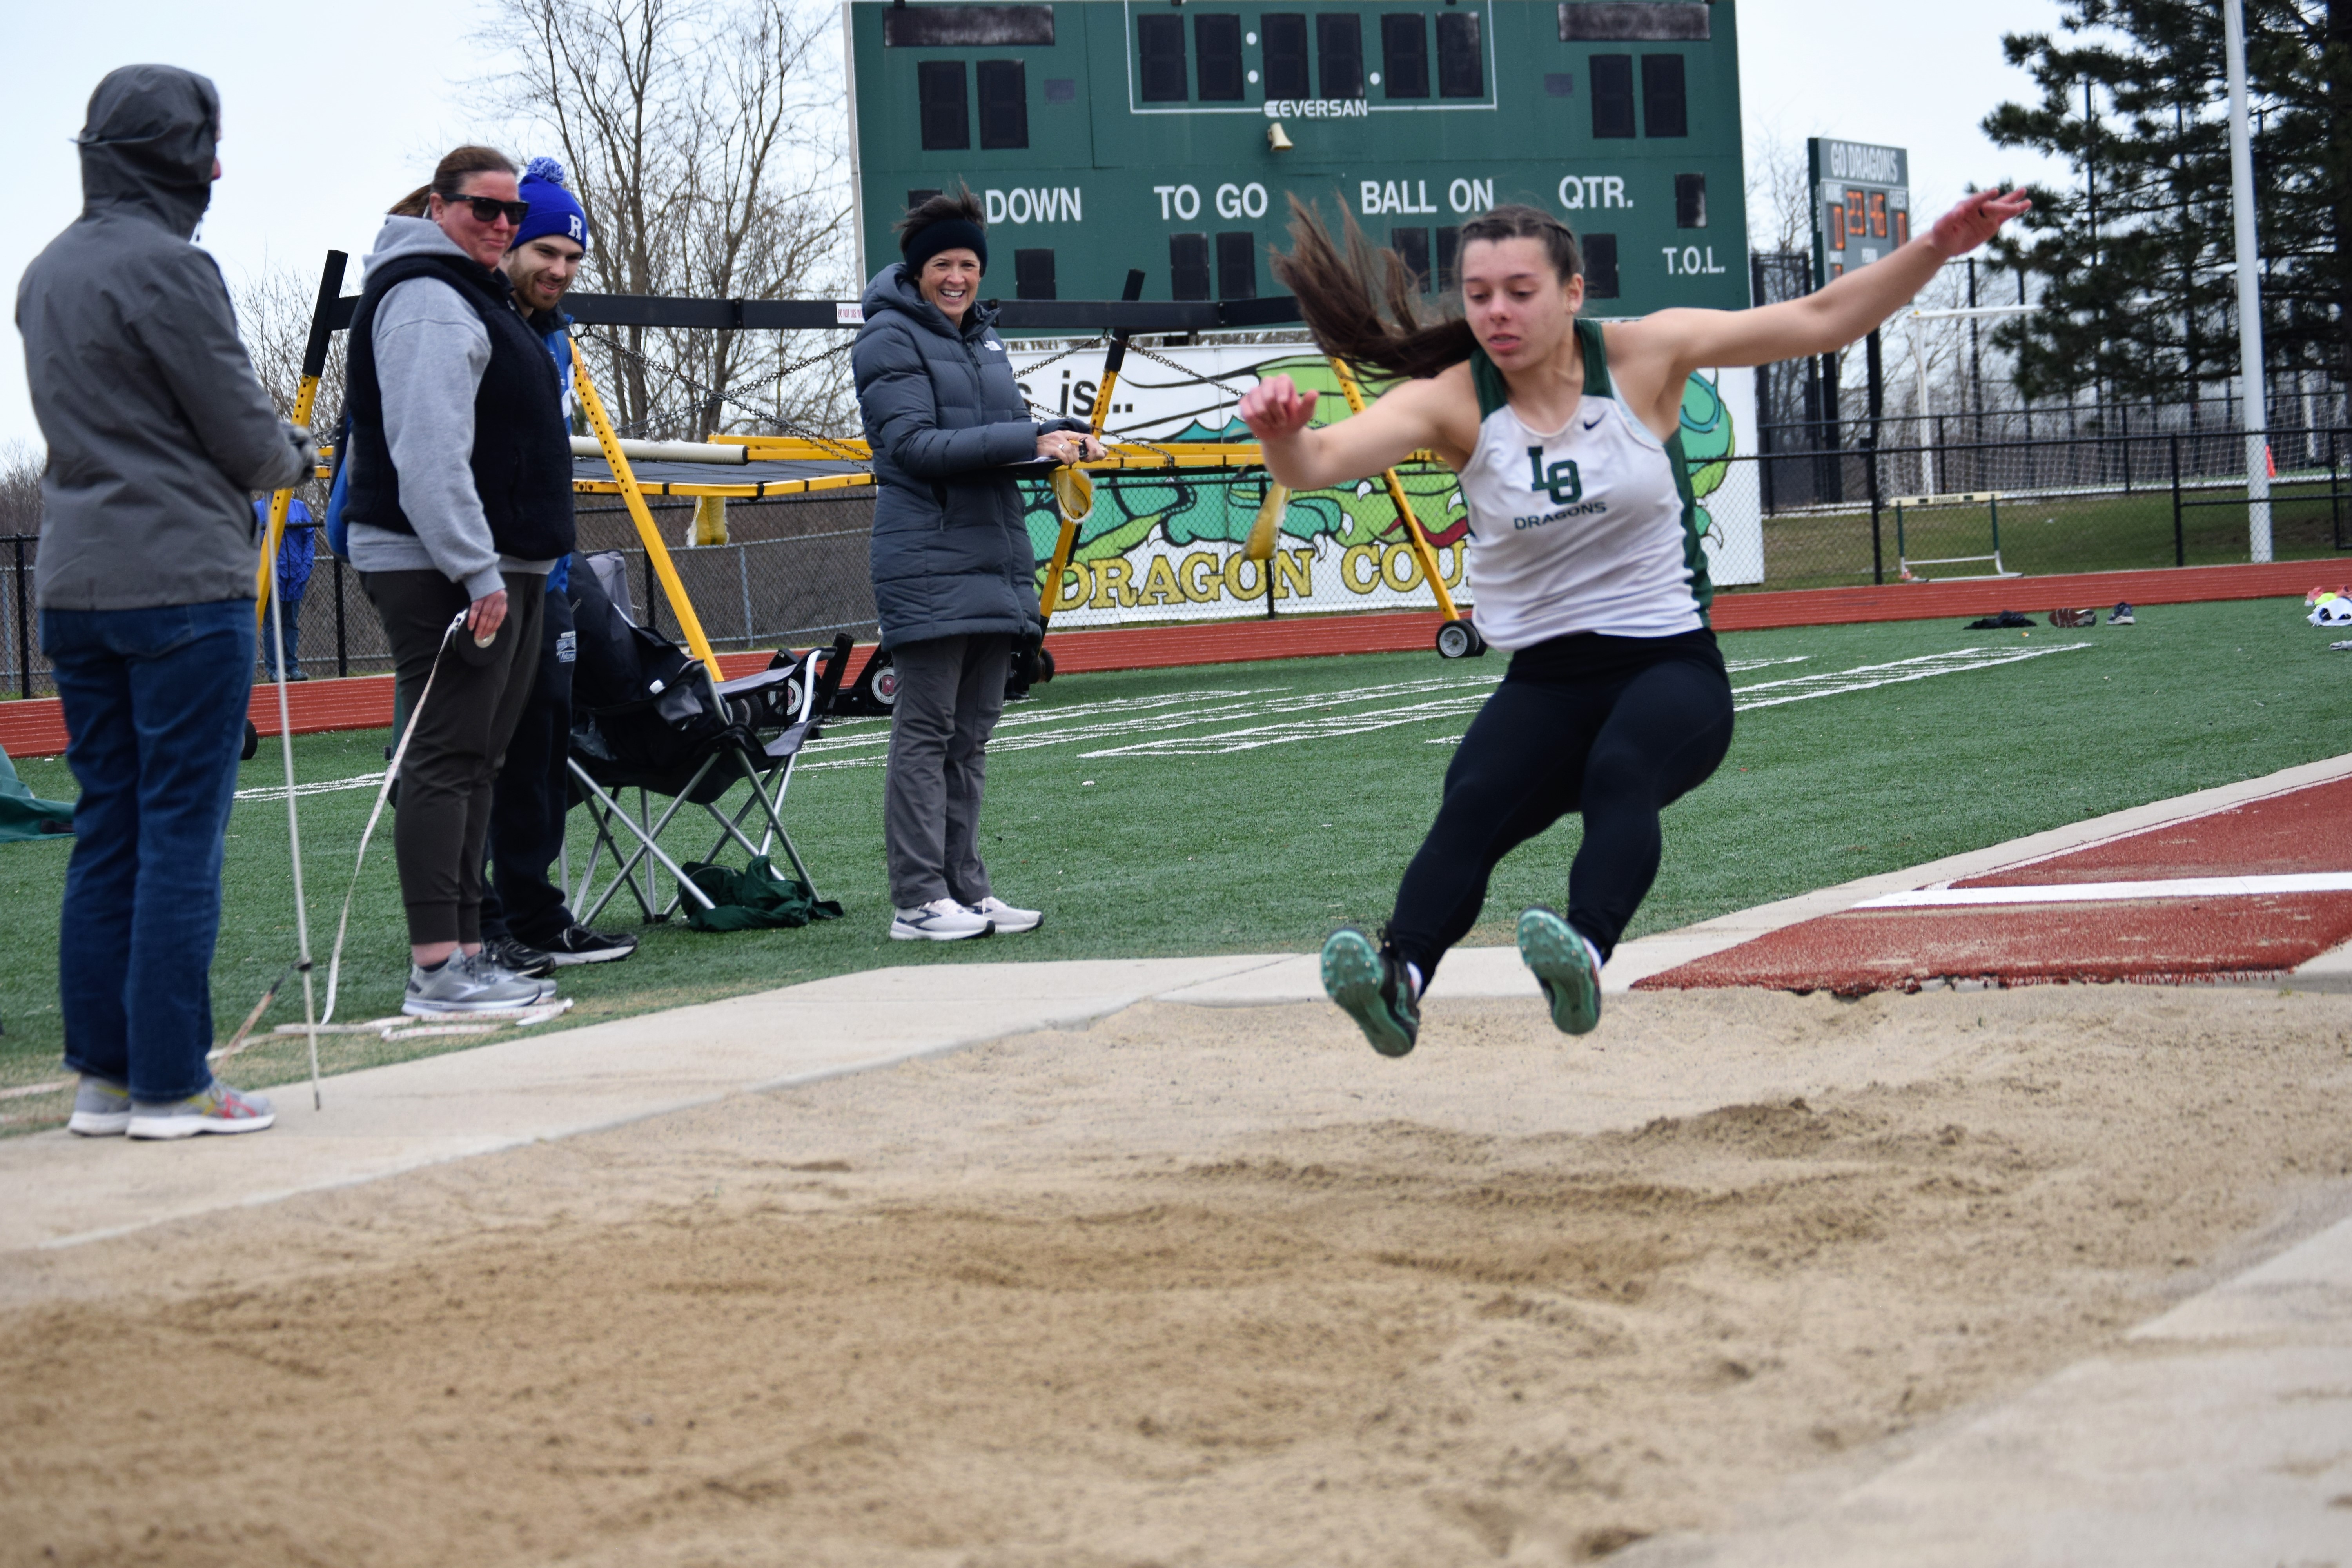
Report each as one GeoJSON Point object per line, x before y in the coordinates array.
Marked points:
{"type": "Point", "coordinates": [1105, 136]}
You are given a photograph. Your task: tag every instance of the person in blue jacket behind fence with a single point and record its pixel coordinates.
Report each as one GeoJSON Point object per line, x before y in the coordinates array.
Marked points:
{"type": "Point", "coordinates": [297, 554]}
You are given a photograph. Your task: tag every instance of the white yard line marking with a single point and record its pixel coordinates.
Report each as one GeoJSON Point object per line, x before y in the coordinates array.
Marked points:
{"type": "Point", "coordinates": [277, 791]}
{"type": "Point", "coordinates": [2109, 892]}
{"type": "Point", "coordinates": [1050, 727]}
{"type": "Point", "coordinates": [1865, 678]}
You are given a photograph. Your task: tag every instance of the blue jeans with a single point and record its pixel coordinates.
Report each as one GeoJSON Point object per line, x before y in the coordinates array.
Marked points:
{"type": "Point", "coordinates": [293, 636]}
{"type": "Point", "coordinates": [155, 701]}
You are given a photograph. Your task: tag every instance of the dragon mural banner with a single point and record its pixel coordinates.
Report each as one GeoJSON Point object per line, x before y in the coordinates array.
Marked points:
{"type": "Point", "coordinates": [1167, 546]}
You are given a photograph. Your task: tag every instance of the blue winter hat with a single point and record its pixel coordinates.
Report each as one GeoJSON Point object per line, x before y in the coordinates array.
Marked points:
{"type": "Point", "coordinates": [554, 209]}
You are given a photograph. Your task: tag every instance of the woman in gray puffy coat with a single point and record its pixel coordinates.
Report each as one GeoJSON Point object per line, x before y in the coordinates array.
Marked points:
{"type": "Point", "coordinates": [954, 576]}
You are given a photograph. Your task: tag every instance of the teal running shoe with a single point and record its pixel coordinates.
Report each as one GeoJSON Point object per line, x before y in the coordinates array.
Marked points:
{"type": "Point", "coordinates": [1564, 967]}
{"type": "Point", "coordinates": [1370, 987]}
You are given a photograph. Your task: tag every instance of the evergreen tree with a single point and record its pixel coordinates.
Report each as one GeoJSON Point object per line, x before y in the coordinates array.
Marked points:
{"type": "Point", "coordinates": [2136, 256]}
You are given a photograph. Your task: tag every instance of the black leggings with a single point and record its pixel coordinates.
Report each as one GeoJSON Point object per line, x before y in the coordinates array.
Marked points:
{"type": "Point", "coordinates": [1617, 726]}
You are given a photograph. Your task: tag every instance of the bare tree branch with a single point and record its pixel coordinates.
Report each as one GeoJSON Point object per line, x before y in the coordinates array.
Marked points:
{"type": "Point", "coordinates": [699, 138]}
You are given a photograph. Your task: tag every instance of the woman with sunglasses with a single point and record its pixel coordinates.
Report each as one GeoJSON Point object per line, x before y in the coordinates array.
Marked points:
{"type": "Point", "coordinates": [459, 500]}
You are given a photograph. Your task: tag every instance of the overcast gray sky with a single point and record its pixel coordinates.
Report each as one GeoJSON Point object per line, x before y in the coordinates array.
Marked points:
{"type": "Point", "coordinates": [329, 114]}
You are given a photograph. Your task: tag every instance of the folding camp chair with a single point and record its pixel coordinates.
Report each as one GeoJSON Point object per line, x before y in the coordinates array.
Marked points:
{"type": "Point", "coordinates": [649, 718]}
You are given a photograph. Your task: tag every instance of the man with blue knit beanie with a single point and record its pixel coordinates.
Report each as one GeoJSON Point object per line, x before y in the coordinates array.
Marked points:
{"type": "Point", "coordinates": [525, 926]}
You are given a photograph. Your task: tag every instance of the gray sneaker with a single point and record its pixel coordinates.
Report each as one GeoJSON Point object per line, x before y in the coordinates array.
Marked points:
{"type": "Point", "coordinates": [488, 964]}
{"type": "Point", "coordinates": [467, 984]}
{"type": "Point", "coordinates": [102, 1110]}
{"type": "Point", "coordinates": [218, 1108]}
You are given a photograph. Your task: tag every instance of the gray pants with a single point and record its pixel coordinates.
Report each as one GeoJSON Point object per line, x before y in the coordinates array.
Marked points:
{"type": "Point", "coordinates": [950, 691]}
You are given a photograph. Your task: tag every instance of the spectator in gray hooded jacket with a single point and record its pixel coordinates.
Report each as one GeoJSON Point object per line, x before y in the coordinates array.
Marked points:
{"type": "Point", "coordinates": [157, 432]}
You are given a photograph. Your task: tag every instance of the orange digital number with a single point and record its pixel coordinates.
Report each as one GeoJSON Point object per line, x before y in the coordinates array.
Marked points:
{"type": "Point", "coordinates": [1878, 215]}
{"type": "Point", "coordinates": [1837, 226]}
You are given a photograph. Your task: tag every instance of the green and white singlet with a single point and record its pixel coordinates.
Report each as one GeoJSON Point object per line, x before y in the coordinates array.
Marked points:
{"type": "Point", "coordinates": [1591, 528]}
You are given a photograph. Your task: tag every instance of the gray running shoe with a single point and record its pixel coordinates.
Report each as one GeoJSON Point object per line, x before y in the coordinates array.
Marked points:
{"type": "Point", "coordinates": [102, 1110]}
{"type": "Point", "coordinates": [467, 984]}
{"type": "Point", "coordinates": [1564, 967]}
{"type": "Point", "coordinates": [219, 1109]}
{"type": "Point", "coordinates": [1370, 987]}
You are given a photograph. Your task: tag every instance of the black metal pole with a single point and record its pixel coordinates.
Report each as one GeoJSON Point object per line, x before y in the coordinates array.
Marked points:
{"type": "Point", "coordinates": [343, 643]}
{"type": "Point", "coordinates": [24, 626]}
{"type": "Point", "coordinates": [2180, 544]}
{"type": "Point", "coordinates": [1878, 403]}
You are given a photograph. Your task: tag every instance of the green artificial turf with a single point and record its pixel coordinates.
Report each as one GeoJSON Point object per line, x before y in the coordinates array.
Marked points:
{"type": "Point", "coordinates": [1269, 848]}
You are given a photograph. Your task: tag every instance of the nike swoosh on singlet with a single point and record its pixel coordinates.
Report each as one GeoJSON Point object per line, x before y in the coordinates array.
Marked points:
{"type": "Point", "coordinates": [1591, 422]}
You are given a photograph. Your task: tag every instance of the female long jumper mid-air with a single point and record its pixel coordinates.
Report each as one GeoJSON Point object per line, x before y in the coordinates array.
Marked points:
{"type": "Point", "coordinates": [1584, 563]}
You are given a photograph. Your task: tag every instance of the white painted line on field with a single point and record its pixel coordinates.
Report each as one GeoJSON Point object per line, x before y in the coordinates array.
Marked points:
{"type": "Point", "coordinates": [277, 791]}
{"type": "Point", "coordinates": [1868, 676]}
{"type": "Point", "coordinates": [2109, 892]}
{"type": "Point", "coordinates": [1865, 678]}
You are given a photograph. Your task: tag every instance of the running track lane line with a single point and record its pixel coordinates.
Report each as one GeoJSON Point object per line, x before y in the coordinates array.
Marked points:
{"type": "Point", "coordinates": [2103, 892]}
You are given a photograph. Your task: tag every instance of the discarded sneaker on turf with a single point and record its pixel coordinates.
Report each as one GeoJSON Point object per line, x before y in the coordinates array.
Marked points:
{"type": "Point", "coordinates": [2073, 617]}
{"type": "Point", "coordinates": [2008, 620]}
{"type": "Point", "coordinates": [1369, 985]}
{"type": "Point", "coordinates": [1566, 965]}
{"type": "Point", "coordinates": [2121, 616]}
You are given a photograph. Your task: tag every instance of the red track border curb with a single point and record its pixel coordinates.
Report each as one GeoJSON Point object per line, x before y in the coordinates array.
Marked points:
{"type": "Point", "coordinates": [35, 728]}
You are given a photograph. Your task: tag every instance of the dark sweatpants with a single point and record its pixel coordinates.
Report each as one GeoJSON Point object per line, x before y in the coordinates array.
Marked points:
{"type": "Point", "coordinates": [459, 740]}
{"type": "Point", "coordinates": [1616, 727]}
{"type": "Point", "coordinates": [531, 797]}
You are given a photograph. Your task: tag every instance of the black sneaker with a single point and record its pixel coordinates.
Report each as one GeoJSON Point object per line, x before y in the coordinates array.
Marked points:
{"type": "Point", "coordinates": [518, 958]}
{"type": "Point", "coordinates": [578, 944]}
{"type": "Point", "coordinates": [2122, 617]}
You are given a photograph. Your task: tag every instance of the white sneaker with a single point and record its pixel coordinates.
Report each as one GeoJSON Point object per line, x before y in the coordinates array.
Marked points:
{"type": "Point", "coordinates": [941, 920]}
{"type": "Point", "coordinates": [1004, 917]}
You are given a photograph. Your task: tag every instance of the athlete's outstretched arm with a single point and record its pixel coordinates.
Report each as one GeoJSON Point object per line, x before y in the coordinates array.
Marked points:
{"type": "Point", "coordinates": [1676, 342]}
{"type": "Point", "coordinates": [1402, 421]}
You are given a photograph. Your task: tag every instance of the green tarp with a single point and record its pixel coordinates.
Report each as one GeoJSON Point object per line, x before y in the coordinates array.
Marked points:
{"type": "Point", "coordinates": [23, 813]}
{"type": "Point", "coordinates": [753, 899]}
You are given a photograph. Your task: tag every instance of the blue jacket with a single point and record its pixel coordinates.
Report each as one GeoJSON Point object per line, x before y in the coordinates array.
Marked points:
{"type": "Point", "coordinates": [950, 555]}
{"type": "Point", "coordinates": [296, 552]}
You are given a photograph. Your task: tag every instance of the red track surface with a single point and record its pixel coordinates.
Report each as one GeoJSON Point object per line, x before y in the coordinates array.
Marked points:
{"type": "Point", "coordinates": [37, 728]}
{"type": "Point", "coordinates": [2153, 940]}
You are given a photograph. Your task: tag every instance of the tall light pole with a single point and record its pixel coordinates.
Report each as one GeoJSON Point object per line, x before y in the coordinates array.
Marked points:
{"type": "Point", "coordinates": [2250, 285]}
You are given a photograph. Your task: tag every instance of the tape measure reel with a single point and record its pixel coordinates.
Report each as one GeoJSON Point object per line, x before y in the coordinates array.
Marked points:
{"type": "Point", "coordinates": [1075, 492]}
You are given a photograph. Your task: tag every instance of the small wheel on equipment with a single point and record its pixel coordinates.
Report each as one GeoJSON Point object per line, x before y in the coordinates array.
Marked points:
{"type": "Point", "coordinates": [1459, 640]}
{"type": "Point", "coordinates": [1044, 665]}
{"type": "Point", "coordinates": [886, 688]}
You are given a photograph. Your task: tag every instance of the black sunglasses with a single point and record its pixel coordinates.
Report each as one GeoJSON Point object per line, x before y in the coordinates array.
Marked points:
{"type": "Point", "coordinates": [487, 208]}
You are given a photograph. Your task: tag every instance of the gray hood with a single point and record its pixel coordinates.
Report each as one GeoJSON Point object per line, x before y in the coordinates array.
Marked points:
{"type": "Point", "coordinates": [148, 145]}
{"type": "Point", "coordinates": [892, 288]}
{"type": "Point", "coordinates": [401, 237]}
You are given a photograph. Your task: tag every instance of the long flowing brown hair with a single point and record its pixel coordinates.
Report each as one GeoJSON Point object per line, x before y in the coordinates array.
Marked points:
{"type": "Point", "coordinates": [1361, 302]}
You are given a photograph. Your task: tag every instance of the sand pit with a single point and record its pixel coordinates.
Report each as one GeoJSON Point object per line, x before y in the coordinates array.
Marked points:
{"type": "Point", "coordinates": [1191, 1287]}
